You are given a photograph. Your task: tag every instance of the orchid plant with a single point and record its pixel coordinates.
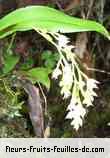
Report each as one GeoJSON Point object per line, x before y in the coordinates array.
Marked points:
{"type": "Point", "coordinates": [74, 83]}
{"type": "Point", "coordinates": [51, 24]}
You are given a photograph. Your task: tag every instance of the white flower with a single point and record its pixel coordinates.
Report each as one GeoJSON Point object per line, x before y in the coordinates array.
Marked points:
{"type": "Point", "coordinates": [67, 78]}
{"type": "Point", "coordinates": [91, 83]}
{"type": "Point", "coordinates": [62, 41]}
{"type": "Point", "coordinates": [56, 73]}
{"type": "Point", "coordinates": [76, 113]}
{"type": "Point", "coordinates": [90, 93]}
{"type": "Point", "coordinates": [76, 123]}
{"type": "Point", "coordinates": [72, 102]}
{"type": "Point", "coordinates": [66, 81]}
{"type": "Point", "coordinates": [65, 92]}
{"type": "Point", "coordinates": [108, 124]}
{"type": "Point", "coordinates": [88, 100]}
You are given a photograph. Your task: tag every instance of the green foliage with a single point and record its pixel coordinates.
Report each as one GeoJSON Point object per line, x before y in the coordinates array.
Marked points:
{"type": "Point", "coordinates": [49, 22]}
{"type": "Point", "coordinates": [9, 100]}
{"type": "Point", "coordinates": [10, 61]}
{"type": "Point", "coordinates": [39, 74]}
{"type": "Point", "coordinates": [27, 64]}
{"type": "Point", "coordinates": [50, 59]}
{"type": "Point", "coordinates": [45, 18]}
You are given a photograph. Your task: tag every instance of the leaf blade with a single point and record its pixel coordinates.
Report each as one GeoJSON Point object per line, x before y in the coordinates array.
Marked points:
{"type": "Point", "coordinates": [24, 19]}
{"type": "Point", "coordinates": [9, 63]}
{"type": "Point", "coordinates": [39, 74]}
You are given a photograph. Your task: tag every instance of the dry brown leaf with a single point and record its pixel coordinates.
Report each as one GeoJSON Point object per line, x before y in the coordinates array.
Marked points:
{"type": "Point", "coordinates": [35, 109]}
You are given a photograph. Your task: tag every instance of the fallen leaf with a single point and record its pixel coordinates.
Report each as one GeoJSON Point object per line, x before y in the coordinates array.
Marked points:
{"type": "Point", "coordinates": [35, 108]}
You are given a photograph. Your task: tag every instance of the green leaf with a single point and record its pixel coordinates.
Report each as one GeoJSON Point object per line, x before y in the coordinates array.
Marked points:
{"type": "Point", "coordinates": [50, 59]}
{"type": "Point", "coordinates": [49, 19]}
{"type": "Point", "coordinates": [27, 64]}
{"type": "Point", "coordinates": [10, 61]}
{"type": "Point", "coordinates": [39, 74]}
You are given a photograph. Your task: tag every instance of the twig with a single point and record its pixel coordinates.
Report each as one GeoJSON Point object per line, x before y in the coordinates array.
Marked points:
{"type": "Point", "coordinates": [97, 70]}
{"type": "Point", "coordinates": [11, 43]}
{"type": "Point", "coordinates": [45, 99]}
{"type": "Point", "coordinates": [90, 8]}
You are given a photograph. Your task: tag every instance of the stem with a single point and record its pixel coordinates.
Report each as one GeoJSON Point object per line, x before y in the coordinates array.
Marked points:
{"type": "Point", "coordinates": [11, 43]}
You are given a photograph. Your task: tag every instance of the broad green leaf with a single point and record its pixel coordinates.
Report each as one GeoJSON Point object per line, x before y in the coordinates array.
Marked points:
{"type": "Point", "coordinates": [39, 74]}
{"type": "Point", "coordinates": [10, 61]}
{"type": "Point", "coordinates": [49, 19]}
